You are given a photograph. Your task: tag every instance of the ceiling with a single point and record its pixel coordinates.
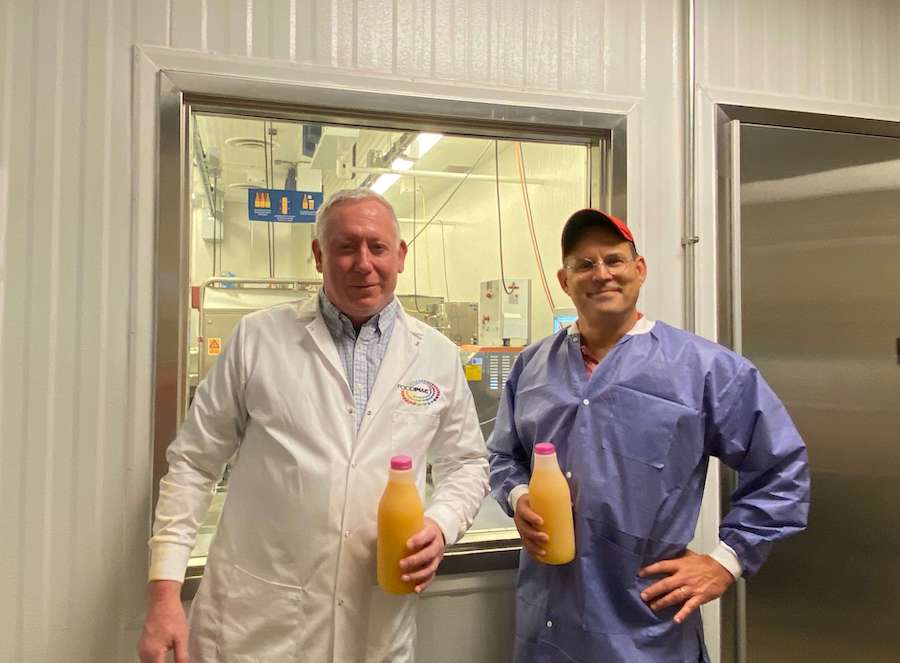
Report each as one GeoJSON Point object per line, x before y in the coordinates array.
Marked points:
{"type": "Point", "coordinates": [237, 144]}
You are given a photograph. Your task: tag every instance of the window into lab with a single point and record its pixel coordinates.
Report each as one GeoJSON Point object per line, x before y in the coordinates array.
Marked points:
{"type": "Point", "coordinates": [481, 216]}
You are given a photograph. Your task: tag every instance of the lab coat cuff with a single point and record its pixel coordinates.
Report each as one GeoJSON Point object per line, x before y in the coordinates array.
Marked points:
{"type": "Point", "coordinates": [725, 555]}
{"type": "Point", "coordinates": [168, 561]}
{"type": "Point", "coordinates": [447, 520]}
{"type": "Point", "coordinates": [515, 494]}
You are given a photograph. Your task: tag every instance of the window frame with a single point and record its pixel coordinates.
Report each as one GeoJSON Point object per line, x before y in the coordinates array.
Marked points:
{"type": "Point", "coordinates": [181, 94]}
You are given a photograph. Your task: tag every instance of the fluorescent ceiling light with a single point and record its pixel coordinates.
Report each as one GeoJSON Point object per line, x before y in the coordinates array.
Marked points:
{"type": "Point", "coordinates": [384, 182]}
{"type": "Point", "coordinates": [426, 142]}
{"type": "Point", "coordinates": [401, 164]}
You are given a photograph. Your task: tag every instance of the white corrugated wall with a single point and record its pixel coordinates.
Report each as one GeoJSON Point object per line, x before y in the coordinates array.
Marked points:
{"type": "Point", "coordinates": [829, 50]}
{"type": "Point", "coordinates": [68, 548]}
{"type": "Point", "coordinates": [74, 373]}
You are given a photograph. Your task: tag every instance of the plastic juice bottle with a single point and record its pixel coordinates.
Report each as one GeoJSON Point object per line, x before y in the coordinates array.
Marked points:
{"type": "Point", "coordinates": [400, 515]}
{"type": "Point", "coordinates": [548, 492]}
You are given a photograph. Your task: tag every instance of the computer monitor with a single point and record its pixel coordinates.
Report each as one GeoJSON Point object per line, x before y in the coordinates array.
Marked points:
{"type": "Point", "coordinates": [563, 317]}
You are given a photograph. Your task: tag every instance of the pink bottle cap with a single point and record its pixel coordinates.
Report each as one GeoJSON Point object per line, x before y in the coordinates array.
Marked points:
{"type": "Point", "coordinates": [401, 463]}
{"type": "Point", "coordinates": [544, 448]}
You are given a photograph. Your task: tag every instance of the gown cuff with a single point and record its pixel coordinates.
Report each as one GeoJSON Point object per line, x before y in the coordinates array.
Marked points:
{"type": "Point", "coordinates": [515, 494]}
{"type": "Point", "coordinates": [168, 561]}
{"type": "Point", "coordinates": [725, 555]}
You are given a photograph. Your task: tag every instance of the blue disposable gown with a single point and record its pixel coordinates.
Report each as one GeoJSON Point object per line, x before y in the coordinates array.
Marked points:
{"type": "Point", "coordinates": [635, 439]}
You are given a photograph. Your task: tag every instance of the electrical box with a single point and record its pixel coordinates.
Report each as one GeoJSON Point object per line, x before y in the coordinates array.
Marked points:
{"type": "Point", "coordinates": [504, 312]}
{"type": "Point", "coordinates": [210, 225]}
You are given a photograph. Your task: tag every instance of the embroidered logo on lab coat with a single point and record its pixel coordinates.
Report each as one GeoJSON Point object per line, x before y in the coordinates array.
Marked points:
{"type": "Point", "coordinates": [420, 392]}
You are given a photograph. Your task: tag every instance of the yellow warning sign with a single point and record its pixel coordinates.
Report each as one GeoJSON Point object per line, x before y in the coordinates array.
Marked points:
{"type": "Point", "coordinates": [213, 347]}
{"type": "Point", "coordinates": [473, 372]}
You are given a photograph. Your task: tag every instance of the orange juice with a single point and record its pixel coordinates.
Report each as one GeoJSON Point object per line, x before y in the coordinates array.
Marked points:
{"type": "Point", "coordinates": [549, 495]}
{"type": "Point", "coordinates": [400, 516]}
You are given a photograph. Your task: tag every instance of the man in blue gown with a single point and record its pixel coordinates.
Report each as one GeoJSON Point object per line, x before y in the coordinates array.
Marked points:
{"type": "Point", "coordinates": [636, 408]}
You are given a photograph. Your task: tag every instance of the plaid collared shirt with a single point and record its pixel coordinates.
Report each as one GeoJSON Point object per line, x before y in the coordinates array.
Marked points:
{"type": "Point", "coordinates": [360, 354]}
{"type": "Point", "coordinates": [591, 362]}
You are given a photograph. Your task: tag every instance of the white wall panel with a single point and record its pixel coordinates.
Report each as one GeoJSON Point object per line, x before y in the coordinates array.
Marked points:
{"type": "Point", "coordinates": [302, 14]}
{"type": "Point", "coordinates": [374, 35]}
{"type": "Point", "coordinates": [152, 23]}
{"type": "Point", "coordinates": [8, 452]}
{"type": "Point", "coordinates": [226, 27]}
{"type": "Point", "coordinates": [342, 30]}
{"type": "Point", "coordinates": [54, 149]}
{"type": "Point", "coordinates": [657, 213]}
{"type": "Point", "coordinates": [76, 314]}
{"type": "Point", "coordinates": [623, 46]}
{"type": "Point", "coordinates": [18, 161]}
{"type": "Point", "coordinates": [189, 27]}
{"type": "Point", "coordinates": [582, 47]}
{"type": "Point", "coordinates": [543, 28]}
{"type": "Point", "coordinates": [413, 51]}
{"type": "Point", "coordinates": [507, 43]}
{"type": "Point", "coordinates": [837, 50]}
{"type": "Point", "coordinates": [449, 38]}
{"type": "Point", "coordinates": [270, 29]}
{"type": "Point", "coordinates": [64, 328]}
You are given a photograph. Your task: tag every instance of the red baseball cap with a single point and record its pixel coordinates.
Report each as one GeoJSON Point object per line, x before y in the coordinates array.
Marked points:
{"type": "Point", "coordinates": [588, 218]}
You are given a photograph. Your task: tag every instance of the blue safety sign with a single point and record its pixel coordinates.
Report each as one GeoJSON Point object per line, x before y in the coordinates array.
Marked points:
{"type": "Point", "coordinates": [283, 206]}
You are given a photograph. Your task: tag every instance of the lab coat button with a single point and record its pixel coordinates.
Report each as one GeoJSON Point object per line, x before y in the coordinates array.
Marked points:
{"type": "Point", "coordinates": [346, 534]}
{"type": "Point", "coordinates": [586, 402]}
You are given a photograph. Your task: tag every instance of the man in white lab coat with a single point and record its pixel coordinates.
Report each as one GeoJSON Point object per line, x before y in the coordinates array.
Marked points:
{"type": "Point", "coordinates": [314, 399]}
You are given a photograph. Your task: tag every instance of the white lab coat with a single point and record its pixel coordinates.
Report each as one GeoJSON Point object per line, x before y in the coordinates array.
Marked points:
{"type": "Point", "coordinates": [291, 573]}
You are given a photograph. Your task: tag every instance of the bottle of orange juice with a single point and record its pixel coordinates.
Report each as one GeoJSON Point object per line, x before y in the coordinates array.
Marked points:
{"type": "Point", "coordinates": [400, 516]}
{"type": "Point", "coordinates": [549, 495]}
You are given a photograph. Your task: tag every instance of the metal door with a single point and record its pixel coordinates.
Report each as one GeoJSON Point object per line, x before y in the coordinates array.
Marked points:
{"type": "Point", "coordinates": [815, 251]}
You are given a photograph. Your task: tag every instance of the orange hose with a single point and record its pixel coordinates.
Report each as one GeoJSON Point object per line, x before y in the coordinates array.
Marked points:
{"type": "Point", "coordinates": [520, 167]}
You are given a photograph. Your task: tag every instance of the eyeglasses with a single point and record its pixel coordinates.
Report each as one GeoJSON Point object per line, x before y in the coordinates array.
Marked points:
{"type": "Point", "coordinates": [614, 263]}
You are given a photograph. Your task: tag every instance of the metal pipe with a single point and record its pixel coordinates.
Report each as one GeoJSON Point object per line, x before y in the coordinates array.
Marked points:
{"type": "Point", "coordinates": [409, 220]}
{"type": "Point", "coordinates": [443, 175]}
{"type": "Point", "coordinates": [200, 158]}
{"type": "Point", "coordinates": [266, 283]}
{"type": "Point", "coordinates": [689, 238]}
{"type": "Point", "coordinates": [440, 174]}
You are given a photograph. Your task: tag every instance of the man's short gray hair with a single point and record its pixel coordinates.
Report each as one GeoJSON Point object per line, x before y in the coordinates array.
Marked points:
{"type": "Point", "coordinates": [345, 197]}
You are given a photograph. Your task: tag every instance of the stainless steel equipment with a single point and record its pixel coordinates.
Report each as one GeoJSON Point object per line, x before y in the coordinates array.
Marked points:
{"type": "Point", "coordinates": [487, 369]}
{"type": "Point", "coordinates": [458, 321]}
{"type": "Point", "coordinates": [461, 321]}
{"type": "Point", "coordinates": [817, 308]}
{"type": "Point", "coordinates": [225, 300]}
{"type": "Point", "coordinates": [423, 307]}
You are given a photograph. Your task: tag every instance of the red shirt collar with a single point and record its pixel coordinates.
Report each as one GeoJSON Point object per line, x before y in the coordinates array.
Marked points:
{"type": "Point", "coordinates": [591, 362]}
